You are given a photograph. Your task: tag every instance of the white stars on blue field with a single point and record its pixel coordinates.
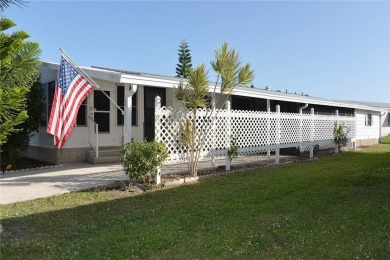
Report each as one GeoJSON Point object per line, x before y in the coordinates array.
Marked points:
{"type": "Point", "coordinates": [67, 74]}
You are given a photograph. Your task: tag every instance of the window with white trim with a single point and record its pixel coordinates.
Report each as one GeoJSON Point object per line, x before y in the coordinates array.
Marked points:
{"type": "Point", "coordinates": [48, 93]}
{"type": "Point", "coordinates": [48, 90]}
{"type": "Point", "coordinates": [368, 120]}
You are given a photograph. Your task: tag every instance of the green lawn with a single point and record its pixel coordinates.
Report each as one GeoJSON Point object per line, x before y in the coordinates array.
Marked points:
{"type": "Point", "coordinates": [386, 140]}
{"type": "Point", "coordinates": [336, 207]}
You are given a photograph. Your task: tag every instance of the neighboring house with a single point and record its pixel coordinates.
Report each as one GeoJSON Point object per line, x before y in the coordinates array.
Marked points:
{"type": "Point", "coordinates": [97, 108]}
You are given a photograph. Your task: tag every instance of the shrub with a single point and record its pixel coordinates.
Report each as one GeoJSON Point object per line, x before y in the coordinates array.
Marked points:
{"type": "Point", "coordinates": [140, 158]}
{"type": "Point", "coordinates": [340, 134]}
{"type": "Point", "coordinates": [233, 150]}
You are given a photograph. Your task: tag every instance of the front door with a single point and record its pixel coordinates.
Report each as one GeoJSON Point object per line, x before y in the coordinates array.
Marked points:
{"type": "Point", "coordinates": [150, 94]}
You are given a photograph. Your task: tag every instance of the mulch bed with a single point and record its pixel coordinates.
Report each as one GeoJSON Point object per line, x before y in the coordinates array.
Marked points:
{"type": "Point", "coordinates": [175, 179]}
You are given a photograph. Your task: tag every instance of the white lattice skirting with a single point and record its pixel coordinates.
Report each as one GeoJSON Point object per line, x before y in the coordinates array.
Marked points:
{"type": "Point", "coordinates": [258, 132]}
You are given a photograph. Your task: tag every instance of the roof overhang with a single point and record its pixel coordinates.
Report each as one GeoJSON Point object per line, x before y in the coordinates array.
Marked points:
{"type": "Point", "coordinates": [148, 81]}
{"type": "Point", "coordinates": [172, 82]}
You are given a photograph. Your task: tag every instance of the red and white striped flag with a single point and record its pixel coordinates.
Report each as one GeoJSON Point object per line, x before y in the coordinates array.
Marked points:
{"type": "Point", "coordinates": [70, 92]}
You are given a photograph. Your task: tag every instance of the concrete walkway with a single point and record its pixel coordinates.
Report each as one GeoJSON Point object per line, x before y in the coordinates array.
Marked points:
{"type": "Point", "coordinates": [28, 185]}
{"type": "Point", "coordinates": [21, 186]}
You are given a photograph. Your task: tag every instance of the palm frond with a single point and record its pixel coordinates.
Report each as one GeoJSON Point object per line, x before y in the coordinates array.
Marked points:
{"type": "Point", "coordinates": [4, 4]}
{"type": "Point", "coordinates": [20, 67]}
{"type": "Point", "coordinates": [197, 80]}
{"type": "Point", "coordinates": [245, 75]}
{"type": "Point", "coordinates": [6, 23]}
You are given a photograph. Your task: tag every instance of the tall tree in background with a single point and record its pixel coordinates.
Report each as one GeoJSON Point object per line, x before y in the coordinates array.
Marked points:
{"type": "Point", "coordinates": [184, 67]}
{"type": "Point", "coordinates": [19, 70]}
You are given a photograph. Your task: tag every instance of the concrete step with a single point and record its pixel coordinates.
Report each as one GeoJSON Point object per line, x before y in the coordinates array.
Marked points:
{"type": "Point", "coordinates": [104, 159]}
{"type": "Point", "coordinates": [104, 153]}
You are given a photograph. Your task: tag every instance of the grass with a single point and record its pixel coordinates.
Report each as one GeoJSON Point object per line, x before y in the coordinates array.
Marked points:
{"type": "Point", "coordinates": [385, 140]}
{"type": "Point", "coordinates": [336, 207]}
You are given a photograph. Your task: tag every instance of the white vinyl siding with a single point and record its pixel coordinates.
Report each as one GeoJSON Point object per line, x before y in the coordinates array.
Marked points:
{"type": "Point", "coordinates": [363, 130]}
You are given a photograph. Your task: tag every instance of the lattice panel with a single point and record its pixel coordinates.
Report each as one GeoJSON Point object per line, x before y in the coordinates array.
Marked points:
{"type": "Point", "coordinates": [258, 131]}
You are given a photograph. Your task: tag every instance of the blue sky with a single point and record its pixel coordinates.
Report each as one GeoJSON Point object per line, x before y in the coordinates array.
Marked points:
{"type": "Point", "coordinates": [330, 49]}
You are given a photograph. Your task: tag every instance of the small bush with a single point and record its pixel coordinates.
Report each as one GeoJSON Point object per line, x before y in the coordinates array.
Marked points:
{"type": "Point", "coordinates": [233, 150]}
{"type": "Point", "coordinates": [140, 158]}
{"type": "Point", "coordinates": [340, 134]}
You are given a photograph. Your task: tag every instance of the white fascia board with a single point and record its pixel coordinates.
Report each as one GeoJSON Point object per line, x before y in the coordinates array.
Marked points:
{"type": "Point", "coordinates": [148, 81]}
{"type": "Point", "coordinates": [50, 65]}
{"type": "Point", "coordinates": [92, 72]}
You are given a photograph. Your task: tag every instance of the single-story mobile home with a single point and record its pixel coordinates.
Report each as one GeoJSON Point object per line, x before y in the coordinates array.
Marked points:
{"type": "Point", "coordinates": [371, 120]}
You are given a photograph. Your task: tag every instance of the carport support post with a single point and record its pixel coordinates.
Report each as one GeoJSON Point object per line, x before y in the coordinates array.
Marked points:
{"type": "Point", "coordinates": [129, 92]}
{"type": "Point", "coordinates": [212, 151]}
{"type": "Point", "coordinates": [268, 128]}
{"type": "Point", "coordinates": [278, 133]}
{"type": "Point", "coordinates": [353, 140]}
{"type": "Point", "coordinates": [158, 176]}
{"type": "Point", "coordinates": [336, 147]}
{"type": "Point", "coordinates": [228, 135]}
{"type": "Point", "coordinates": [157, 104]}
{"type": "Point", "coordinates": [312, 133]}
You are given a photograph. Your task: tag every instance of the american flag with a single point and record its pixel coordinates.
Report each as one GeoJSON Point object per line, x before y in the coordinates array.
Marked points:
{"type": "Point", "coordinates": [70, 92]}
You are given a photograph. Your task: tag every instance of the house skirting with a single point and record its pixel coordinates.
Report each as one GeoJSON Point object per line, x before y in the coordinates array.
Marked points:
{"type": "Point", "coordinates": [366, 142]}
{"type": "Point", "coordinates": [55, 156]}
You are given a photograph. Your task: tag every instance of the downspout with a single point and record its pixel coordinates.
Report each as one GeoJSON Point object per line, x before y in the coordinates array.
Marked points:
{"type": "Point", "coordinates": [303, 107]}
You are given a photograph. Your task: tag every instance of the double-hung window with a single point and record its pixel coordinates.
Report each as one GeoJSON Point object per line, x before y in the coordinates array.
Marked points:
{"type": "Point", "coordinates": [368, 120]}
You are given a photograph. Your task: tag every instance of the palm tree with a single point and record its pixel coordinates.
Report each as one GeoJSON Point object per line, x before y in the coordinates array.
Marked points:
{"type": "Point", "coordinates": [230, 74]}
{"type": "Point", "coordinates": [19, 69]}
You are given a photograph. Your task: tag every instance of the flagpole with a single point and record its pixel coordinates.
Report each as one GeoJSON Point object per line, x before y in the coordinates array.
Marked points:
{"type": "Point", "coordinates": [90, 79]}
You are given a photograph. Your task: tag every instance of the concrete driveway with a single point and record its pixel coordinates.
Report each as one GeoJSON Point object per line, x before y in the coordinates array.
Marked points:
{"type": "Point", "coordinates": [28, 185]}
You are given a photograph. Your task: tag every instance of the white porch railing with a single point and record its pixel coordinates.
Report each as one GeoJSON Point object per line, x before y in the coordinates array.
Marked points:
{"type": "Point", "coordinates": [259, 132]}
{"type": "Point", "coordinates": [95, 144]}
